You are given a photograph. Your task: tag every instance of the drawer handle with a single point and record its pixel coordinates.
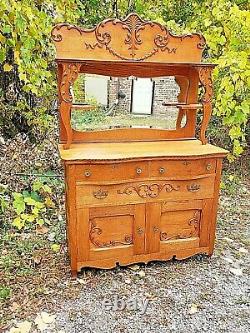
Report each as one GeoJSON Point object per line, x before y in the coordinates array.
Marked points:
{"type": "Point", "coordinates": [162, 170]}
{"type": "Point", "coordinates": [138, 171]}
{"type": "Point", "coordinates": [209, 166]}
{"type": "Point", "coordinates": [140, 231]}
{"type": "Point", "coordinates": [193, 187]}
{"type": "Point", "coordinates": [87, 173]}
{"type": "Point", "coordinates": [101, 194]}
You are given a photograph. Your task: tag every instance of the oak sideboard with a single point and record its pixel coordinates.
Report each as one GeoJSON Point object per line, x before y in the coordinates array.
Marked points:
{"type": "Point", "coordinates": [138, 194]}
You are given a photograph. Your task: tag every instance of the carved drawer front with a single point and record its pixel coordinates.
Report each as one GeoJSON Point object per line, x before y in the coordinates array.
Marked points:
{"type": "Point", "coordinates": [105, 232]}
{"type": "Point", "coordinates": [135, 192]}
{"type": "Point", "coordinates": [182, 168]}
{"type": "Point", "coordinates": [111, 172]}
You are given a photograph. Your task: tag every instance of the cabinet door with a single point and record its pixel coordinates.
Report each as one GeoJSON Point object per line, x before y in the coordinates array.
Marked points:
{"type": "Point", "coordinates": [177, 225]}
{"type": "Point", "coordinates": [110, 232]}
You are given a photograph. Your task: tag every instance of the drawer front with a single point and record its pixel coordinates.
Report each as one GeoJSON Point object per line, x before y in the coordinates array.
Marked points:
{"type": "Point", "coordinates": [111, 172]}
{"type": "Point", "coordinates": [146, 191]}
{"type": "Point", "coordinates": [182, 168]}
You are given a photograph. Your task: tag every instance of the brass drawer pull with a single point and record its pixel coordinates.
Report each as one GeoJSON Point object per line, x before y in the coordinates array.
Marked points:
{"type": "Point", "coordinates": [162, 170]}
{"type": "Point", "coordinates": [138, 171]}
{"type": "Point", "coordinates": [140, 231]}
{"type": "Point", "coordinates": [101, 194]}
{"type": "Point", "coordinates": [209, 166]}
{"type": "Point", "coordinates": [193, 187]}
{"type": "Point", "coordinates": [87, 173]}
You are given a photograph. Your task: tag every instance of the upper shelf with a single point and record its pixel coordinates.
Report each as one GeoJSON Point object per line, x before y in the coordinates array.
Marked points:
{"type": "Point", "coordinates": [128, 40]}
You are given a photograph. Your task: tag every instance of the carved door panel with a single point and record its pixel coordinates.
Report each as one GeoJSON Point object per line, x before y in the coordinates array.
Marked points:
{"type": "Point", "coordinates": [177, 225]}
{"type": "Point", "coordinates": [110, 232]}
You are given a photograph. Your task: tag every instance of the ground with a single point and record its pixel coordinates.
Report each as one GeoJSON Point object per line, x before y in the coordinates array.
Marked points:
{"type": "Point", "coordinates": [199, 294]}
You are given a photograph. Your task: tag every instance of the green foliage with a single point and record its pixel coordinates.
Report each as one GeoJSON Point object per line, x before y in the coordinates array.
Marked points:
{"type": "Point", "coordinates": [4, 292]}
{"type": "Point", "coordinates": [4, 198]}
{"type": "Point", "coordinates": [27, 85]}
{"type": "Point", "coordinates": [225, 25]}
{"type": "Point", "coordinates": [30, 206]}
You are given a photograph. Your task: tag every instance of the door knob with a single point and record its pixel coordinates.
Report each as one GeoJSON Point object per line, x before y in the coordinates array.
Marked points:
{"type": "Point", "coordinates": [155, 229]}
{"type": "Point", "coordinates": [140, 230]}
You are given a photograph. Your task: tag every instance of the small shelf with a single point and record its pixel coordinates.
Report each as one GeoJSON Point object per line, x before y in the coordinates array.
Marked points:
{"type": "Point", "coordinates": [83, 107]}
{"type": "Point", "coordinates": [184, 106]}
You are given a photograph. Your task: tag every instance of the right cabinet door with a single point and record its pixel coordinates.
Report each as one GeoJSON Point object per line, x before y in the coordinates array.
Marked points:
{"type": "Point", "coordinates": [172, 226]}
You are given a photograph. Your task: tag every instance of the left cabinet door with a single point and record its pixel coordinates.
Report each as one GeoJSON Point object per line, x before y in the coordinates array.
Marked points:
{"type": "Point", "coordinates": [110, 232]}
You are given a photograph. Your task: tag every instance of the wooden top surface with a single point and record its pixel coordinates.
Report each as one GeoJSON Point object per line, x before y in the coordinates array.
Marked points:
{"type": "Point", "coordinates": [135, 150]}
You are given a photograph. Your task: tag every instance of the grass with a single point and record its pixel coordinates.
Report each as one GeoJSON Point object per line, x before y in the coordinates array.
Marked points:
{"type": "Point", "coordinates": [96, 119]}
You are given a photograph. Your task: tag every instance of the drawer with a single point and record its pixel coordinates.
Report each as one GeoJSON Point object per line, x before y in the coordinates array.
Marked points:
{"type": "Point", "coordinates": [111, 172]}
{"type": "Point", "coordinates": [135, 192]}
{"type": "Point", "coordinates": [181, 168]}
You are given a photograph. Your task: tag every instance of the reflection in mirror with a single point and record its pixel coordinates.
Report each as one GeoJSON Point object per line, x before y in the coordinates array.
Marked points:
{"type": "Point", "coordinates": [101, 102]}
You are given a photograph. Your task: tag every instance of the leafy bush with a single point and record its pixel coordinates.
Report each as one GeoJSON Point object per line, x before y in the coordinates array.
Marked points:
{"type": "Point", "coordinates": [30, 206]}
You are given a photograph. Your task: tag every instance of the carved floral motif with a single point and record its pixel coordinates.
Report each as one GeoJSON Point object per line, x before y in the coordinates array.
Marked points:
{"type": "Point", "coordinates": [148, 190]}
{"type": "Point", "coordinates": [205, 76]}
{"type": "Point", "coordinates": [134, 25]}
{"type": "Point", "coordinates": [96, 231]}
{"type": "Point", "coordinates": [194, 222]}
{"type": "Point", "coordinates": [70, 74]}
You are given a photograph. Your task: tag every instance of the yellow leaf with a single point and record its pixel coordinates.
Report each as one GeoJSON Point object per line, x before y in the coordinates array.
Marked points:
{"type": "Point", "coordinates": [55, 247]}
{"type": "Point", "coordinates": [7, 67]}
{"type": "Point", "coordinates": [18, 223]}
{"type": "Point", "coordinates": [49, 202]}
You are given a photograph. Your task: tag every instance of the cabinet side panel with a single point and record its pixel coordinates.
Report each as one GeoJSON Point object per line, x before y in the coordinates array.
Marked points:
{"type": "Point", "coordinates": [71, 215]}
{"type": "Point", "coordinates": [215, 206]}
{"type": "Point", "coordinates": [82, 234]}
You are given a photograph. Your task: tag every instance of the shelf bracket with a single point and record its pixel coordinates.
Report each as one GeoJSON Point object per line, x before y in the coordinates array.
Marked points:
{"type": "Point", "coordinates": [205, 77]}
{"type": "Point", "coordinates": [70, 73]}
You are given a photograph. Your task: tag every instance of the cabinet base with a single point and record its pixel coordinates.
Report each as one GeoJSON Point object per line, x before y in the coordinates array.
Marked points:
{"type": "Point", "coordinates": [144, 258]}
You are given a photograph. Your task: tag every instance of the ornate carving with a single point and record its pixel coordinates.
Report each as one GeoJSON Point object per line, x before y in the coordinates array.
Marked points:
{"type": "Point", "coordinates": [70, 74]}
{"type": "Point", "coordinates": [100, 194]}
{"type": "Point", "coordinates": [103, 36]}
{"type": "Point", "coordinates": [148, 190]}
{"type": "Point", "coordinates": [205, 77]}
{"type": "Point", "coordinates": [194, 222]}
{"type": "Point", "coordinates": [95, 230]}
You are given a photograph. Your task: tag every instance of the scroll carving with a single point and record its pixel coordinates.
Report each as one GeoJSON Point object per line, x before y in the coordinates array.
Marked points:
{"type": "Point", "coordinates": [95, 231]}
{"type": "Point", "coordinates": [194, 222]}
{"type": "Point", "coordinates": [69, 75]}
{"type": "Point", "coordinates": [148, 190]}
{"type": "Point", "coordinates": [128, 39]}
{"type": "Point", "coordinates": [205, 77]}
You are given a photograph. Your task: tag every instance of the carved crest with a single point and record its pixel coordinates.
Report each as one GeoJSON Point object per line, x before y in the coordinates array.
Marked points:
{"type": "Point", "coordinates": [131, 39]}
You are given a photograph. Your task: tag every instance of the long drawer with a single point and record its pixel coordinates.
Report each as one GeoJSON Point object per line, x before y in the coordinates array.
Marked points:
{"type": "Point", "coordinates": [175, 169]}
{"type": "Point", "coordinates": [143, 191]}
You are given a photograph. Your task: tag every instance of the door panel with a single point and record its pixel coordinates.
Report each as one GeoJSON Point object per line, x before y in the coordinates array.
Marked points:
{"type": "Point", "coordinates": [177, 225]}
{"type": "Point", "coordinates": [106, 232]}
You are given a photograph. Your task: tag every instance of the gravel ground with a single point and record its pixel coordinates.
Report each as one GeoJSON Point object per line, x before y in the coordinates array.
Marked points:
{"type": "Point", "coordinates": [196, 295]}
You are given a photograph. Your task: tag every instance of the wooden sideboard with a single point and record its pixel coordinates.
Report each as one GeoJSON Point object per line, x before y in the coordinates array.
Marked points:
{"type": "Point", "coordinates": [137, 194]}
